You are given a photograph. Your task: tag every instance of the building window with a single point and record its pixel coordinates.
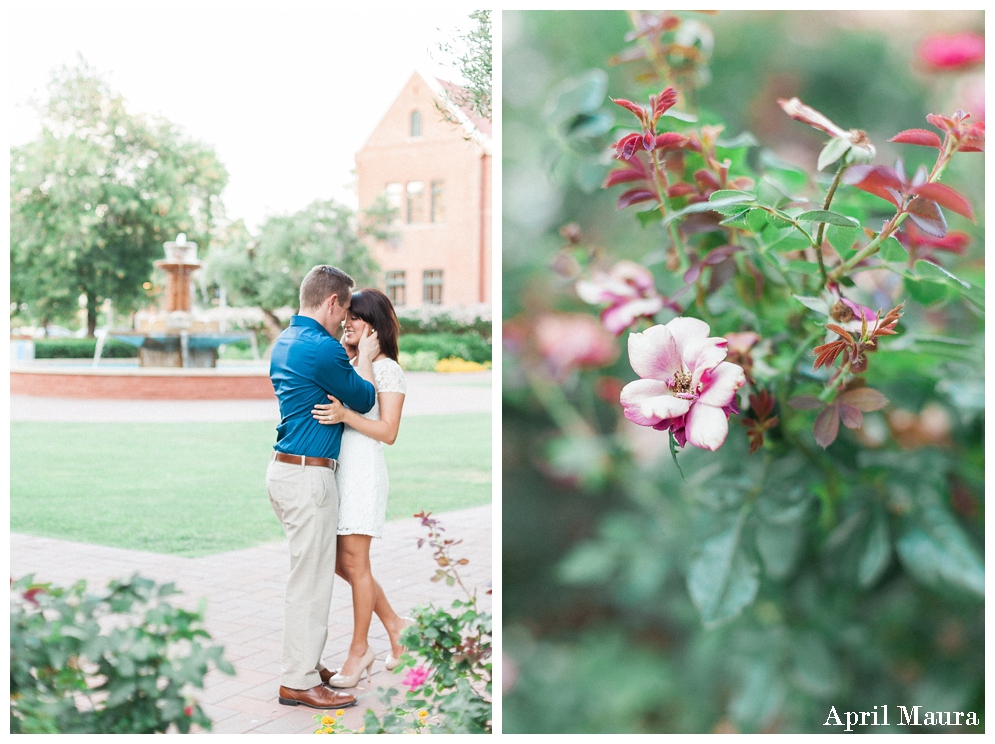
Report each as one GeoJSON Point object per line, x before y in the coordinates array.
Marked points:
{"type": "Point", "coordinates": [432, 287]}
{"type": "Point", "coordinates": [395, 287]}
{"type": "Point", "coordinates": [416, 123]}
{"type": "Point", "coordinates": [416, 203]}
{"type": "Point", "coordinates": [437, 213]}
{"type": "Point", "coordinates": [394, 192]}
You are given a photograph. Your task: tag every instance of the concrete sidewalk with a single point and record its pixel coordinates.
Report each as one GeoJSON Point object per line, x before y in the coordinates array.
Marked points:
{"type": "Point", "coordinates": [244, 592]}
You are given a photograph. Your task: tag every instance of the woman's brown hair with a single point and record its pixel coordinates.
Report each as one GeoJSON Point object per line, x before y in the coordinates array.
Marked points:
{"type": "Point", "coordinates": [375, 308]}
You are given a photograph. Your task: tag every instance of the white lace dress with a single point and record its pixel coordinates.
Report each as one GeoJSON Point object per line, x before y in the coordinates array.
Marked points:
{"type": "Point", "coordinates": [362, 473]}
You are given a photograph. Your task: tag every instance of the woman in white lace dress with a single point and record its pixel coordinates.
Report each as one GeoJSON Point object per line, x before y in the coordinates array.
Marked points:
{"type": "Point", "coordinates": [362, 481]}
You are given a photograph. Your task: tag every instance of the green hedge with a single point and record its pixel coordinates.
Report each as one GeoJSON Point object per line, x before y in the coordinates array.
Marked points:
{"type": "Point", "coordinates": [470, 345]}
{"type": "Point", "coordinates": [82, 348]}
{"type": "Point", "coordinates": [444, 323]}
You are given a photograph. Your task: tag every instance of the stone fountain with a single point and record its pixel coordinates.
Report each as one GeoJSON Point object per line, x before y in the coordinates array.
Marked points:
{"type": "Point", "coordinates": [173, 336]}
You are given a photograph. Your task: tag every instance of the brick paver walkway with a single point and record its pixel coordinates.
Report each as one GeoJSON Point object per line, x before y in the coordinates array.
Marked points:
{"type": "Point", "coordinates": [244, 589]}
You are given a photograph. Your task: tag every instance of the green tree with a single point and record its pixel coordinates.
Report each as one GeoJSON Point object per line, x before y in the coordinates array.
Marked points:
{"type": "Point", "coordinates": [96, 194]}
{"type": "Point", "coordinates": [266, 271]}
{"type": "Point", "coordinates": [473, 59]}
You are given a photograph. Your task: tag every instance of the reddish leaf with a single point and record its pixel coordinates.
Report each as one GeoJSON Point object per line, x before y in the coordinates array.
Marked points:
{"type": "Point", "coordinates": [805, 402]}
{"type": "Point", "coordinates": [706, 180]}
{"type": "Point", "coordinates": [635, 196]}
{"type": "Point", "coordinates": [851, 417]}
{"type": "Point", "coordinates": [927, 216]}
{"type": "Point", "coordinates": [827, 353]}
{"type": "Point", "coordinates": [863, 399]}
{"type": "Point", "coordinates": [840, 331]}
{"type": "Point", "coordinates": [666, 99]}
{"type": "Point", "coordinates": [946, 197]}
{"type": "Point", "coordinates": [680, 189]}
{"type": "Point", "coordinates": [879, 180]}
{"type": "Point", "coordinates": [625, 148]}
{"type": "Point", "coordinates": [623, 175]}
{"type": "Point", "coordinates": [633, 107]}
{"type": "Point", "coordinates": [827, 426]}
{"type": "Point", "coordinates": [670, 141]}
{"type": "Point", "coordinates": [918, 137]}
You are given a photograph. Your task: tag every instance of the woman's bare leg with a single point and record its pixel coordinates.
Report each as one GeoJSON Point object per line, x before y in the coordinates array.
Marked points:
{"type": "Point", "coordinates": [392, 622]}
{"type": "Point", "coordinates": [353, 560]}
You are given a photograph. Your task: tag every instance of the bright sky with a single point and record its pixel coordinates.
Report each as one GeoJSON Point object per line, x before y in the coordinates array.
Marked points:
{"type": "Point", "coordinates": [286, 92]}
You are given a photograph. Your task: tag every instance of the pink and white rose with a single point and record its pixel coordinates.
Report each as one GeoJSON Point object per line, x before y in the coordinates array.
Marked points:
{"type": "Point", "coordinates": [687, 387]}
{"type": "Point", "coordinates": [629, 291]}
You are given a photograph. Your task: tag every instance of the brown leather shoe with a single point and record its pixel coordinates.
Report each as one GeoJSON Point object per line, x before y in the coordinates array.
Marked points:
{"type": "Point", "coordinates": [325, 675]}
{"type": "Point", "coordinates": [318, 696]}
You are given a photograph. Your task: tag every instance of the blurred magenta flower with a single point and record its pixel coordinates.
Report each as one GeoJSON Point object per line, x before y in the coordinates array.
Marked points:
{"type": "Point", "coordinates": [569, 341]}
{"type": "Point", "coordinates": [687, 386]}
{"type": "Point", "coordinates": [629, 291]}
{"type": "Point", "coordinates": [415, 678]}
{"type": "Point", "coordinates": [952, 51]}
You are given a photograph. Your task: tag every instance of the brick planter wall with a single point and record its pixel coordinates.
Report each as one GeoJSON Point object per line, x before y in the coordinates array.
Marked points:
{"type": "Point", "coordinates": [143, 384]}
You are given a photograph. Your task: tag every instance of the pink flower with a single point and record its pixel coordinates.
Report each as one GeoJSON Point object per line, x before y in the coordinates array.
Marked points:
{"type": "Point", "coordinates": [687, 387]}
{"type": "Point", "coordinates": [854, 141]}
{"type": "Point", "coordinates": [569, 341]}
{"type": "Point", "coordinates": [953, 52]}
{"type": "Point", "coordinates": [629, 291]}
{"type": "Point", "coordinates": [415, 678]}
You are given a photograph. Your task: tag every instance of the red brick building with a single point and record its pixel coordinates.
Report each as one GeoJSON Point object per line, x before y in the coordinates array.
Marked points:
{"type": "Point", "coordinates": [438, 174]}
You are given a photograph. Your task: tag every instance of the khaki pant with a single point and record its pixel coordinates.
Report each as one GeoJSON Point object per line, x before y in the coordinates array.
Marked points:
{"type": "Point", "coordinates": [306, 501]}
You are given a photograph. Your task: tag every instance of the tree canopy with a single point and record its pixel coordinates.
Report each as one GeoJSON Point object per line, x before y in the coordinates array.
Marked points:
{"type": "Point", "coordinates": [473, 60]}
{"type": "Point", "coordinates": [266, 271]}
{"type": "Point", "coordinates": [96, 194]}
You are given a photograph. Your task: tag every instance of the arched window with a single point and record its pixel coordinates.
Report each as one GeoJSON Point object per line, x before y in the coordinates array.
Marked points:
{"type": "Point", "coordinates": [416, 123]}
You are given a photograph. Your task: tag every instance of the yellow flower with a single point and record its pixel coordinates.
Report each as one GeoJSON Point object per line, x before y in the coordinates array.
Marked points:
{"type": "Point", "coordinates": [423, 714]}
{"type": "Point", "coordinates": [339, 712]}
{"type": "Point", "coordinates": [327, 720]}
{"type": "Point", "coordinates": [329, 730]}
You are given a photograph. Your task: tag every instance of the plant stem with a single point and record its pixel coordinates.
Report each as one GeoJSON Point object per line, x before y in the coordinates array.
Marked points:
{"type": "Point", "coordinates": [871, 248]}
{"type": "Point", "coordinates": [661, 194]}
{"type": "Point", "coordinates": [822, 225]}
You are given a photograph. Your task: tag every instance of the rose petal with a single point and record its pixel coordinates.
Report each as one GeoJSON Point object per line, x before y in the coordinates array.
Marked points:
{"type": "Point", "coordinates": [703, 356]}
{"type": "Point", "coordinates": [687, 330]}
{"type": "Point", "coordinates": [706, 427]}
{"type": "Point", "coordinates": [622, 315]}
{"type": "Point", "coordinates": [654, 353]}
{"type": "Point", "coordinates": [720, 384]}
{"type": "Point", "coordinates": [648, 402]}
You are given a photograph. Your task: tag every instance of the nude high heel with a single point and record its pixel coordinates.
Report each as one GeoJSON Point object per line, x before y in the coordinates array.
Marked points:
{"type": "Point", "coordinates": [390, 662]}
{"type": "Point", "coordinates": [366, 665]}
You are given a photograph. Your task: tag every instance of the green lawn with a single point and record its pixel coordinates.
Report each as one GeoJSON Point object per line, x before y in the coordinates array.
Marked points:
{"type": "Point", "coordinates": [198, 489]}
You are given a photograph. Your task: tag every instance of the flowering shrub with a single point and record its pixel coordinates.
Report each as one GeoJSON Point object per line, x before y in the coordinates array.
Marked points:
{"type": "Point", "coordinates": [788, 322]}
{"type": "Point", "coordinates": [447, 665]}
{"type": "Point", "coordinates": [121, 662]}
{"type": "Point", "coordinates": [455, 364]}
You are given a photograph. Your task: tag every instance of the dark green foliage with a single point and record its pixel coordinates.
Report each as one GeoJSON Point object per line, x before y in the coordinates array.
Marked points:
{"type": "Point", "coordinates": [123, 661]}
{"type": "Point", "coordinates": [470, 345]}
{"type": "Point", "coordinates": [82, 348]}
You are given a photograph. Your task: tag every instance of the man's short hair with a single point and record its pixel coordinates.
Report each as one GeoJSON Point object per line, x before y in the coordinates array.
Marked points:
{"type": "Point", "coordinates": [321, 283]}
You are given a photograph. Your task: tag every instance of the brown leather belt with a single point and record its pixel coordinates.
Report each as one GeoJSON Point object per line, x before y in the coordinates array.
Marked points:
{"type": "Point", "coordinates": [319, 462]}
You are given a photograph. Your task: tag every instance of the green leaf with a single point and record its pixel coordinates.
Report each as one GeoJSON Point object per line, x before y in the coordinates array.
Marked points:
{"type": "Point", "coordinates": [833, 151]}
{"type": "Point", "coordinates": [816, 671]}
{"type": "Point", "coordinates": [842, 239]}
{"type": "Point", "coordinates": [590, 562]}
{"type": "Point", "coordinates": [877, 552]}
{"type": "Point", "coordinates": [816, 304]}
{"type": "Point", "coordinates": [779, 547]}
{"type": "Point", "coordinates": [649, 217]}
{"type": "Point", "coordinates": [743, 139]}
{"type": "Point", "coordinates": [831, 218]}
{"type": "Point", "coordinates": [930, 271]}
{"type": "Point", "coordinates": [582, 94]}
{"type": "Point", "coordinates": [757, 220]}
{"type": "Point", "coordinates": [893, 252]}
{"type": "Point", "coordinates": [937, 553]}
{"type": "Point", "coordinates": [723, 578]}
{"type": "Point", "coordinates": [926, 292]}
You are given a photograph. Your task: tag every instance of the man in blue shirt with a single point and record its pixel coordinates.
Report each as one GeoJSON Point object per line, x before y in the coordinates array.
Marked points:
{"type": "Point", "coordinates": [306, 365]}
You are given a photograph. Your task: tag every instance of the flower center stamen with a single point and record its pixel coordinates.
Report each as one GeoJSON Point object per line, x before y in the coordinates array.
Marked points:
{"type": "Point", "coordinates": [681, 382]}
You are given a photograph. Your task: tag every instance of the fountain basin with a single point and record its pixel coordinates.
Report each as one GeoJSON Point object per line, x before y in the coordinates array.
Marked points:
{"type": "Point", "coordinates": [54, 380]}
{"type": "Point", "coordinates": [177, 349]}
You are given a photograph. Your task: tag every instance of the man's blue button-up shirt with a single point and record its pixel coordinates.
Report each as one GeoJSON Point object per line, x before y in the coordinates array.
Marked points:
{"type": "Point", "coordinates": [306, 364]}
